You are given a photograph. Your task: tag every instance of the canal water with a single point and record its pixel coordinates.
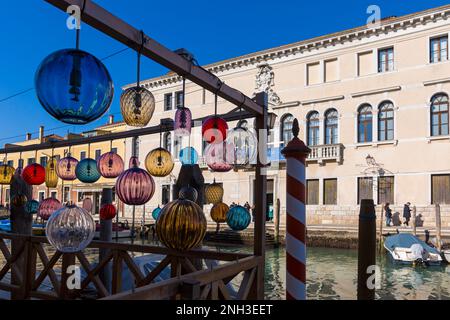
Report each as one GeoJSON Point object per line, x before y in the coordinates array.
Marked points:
{"type": "Point", "coordinates": [332, 275]}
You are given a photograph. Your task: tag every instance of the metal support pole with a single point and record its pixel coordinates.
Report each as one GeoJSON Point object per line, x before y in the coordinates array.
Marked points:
{"type": "Point", "coordinates": [367, 234]}
{"type": "Point", "coordinates": [106, 235]}
{"type": "Point", "coordinates": [295, 153]}
{"type": "Point", "coordinates": [261, 200]}
{"type": "Point", "coordinates": [414, 222]}
{"type": "Point", "coordinates": [438, 226]}
{"type": "Point", "coordinates": [277, 221]}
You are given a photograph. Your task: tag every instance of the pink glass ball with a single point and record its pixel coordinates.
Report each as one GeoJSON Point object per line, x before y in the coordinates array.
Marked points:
{"type": "Point", "coordinates": [48, 207]}
{"type": "Point", "coordinates": [135, 186]}
{"type": "Point", "coordinates": [110, 165]}
{"type": "Point", "coordinates": [220, 156]}
{"type": "Point", "coordinates": [183, 122]}
{"type": "Point", "coordinates": [66, 168]}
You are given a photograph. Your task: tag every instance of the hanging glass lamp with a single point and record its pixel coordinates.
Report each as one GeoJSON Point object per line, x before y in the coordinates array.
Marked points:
{"type": "Point", "coordinates": [245, 145]}
{"type": "Point", "coordinates": [87, 204]}
{"type": "Point", "coordinates": [220, 156]}
{"type": "Point", "coordinates": [219, 212]}
{"type": "Point", "coordinates": [70, 229]}
{"type": "Point", "coordinates": [214, 129]}
{"type": "Point", "coordinates": [19, 200]}
{"type": "Point", "coordinates": [156, 212]}
{"type": "Point", "coordinates": [188, 193]}
{"type": "Point", "coordinates": [238, 218]}
{"type": "Point", "coordinates": [107, 212]}
{"type": "Point", "coordinates": [47, 207]}
{"type": "Point", "coordinates": [159, 162]}
{"type": "Point", "coordinates": [32, 206]}
{"type": "Point", "coordinates": [183, 117]}
{"type": "Point", "coordinates": [66, 168]}
{"type": "Point", "coordinates": [110, 165]}
{"type": "Point", "coordinates": [135, 186]}
{"type": "Point", "coordinates": [74, 86]}
{"type": "Point", "coordinates": [86, 171]}
{"type": "Point", "coordinates": [6, 174]}
{"type": "Point", "coordinates": [188, 156]}
{"type": "Point", "coordinates": [34, 174]}
{"type": "Point", "coordinates": [51, 177]}
{"type": "Point", "coordinates": [213, 193]}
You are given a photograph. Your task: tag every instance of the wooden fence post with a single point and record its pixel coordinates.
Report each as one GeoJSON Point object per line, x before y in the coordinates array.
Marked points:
{"type": "Point", "coordinates": [106, 235]}
{"type": "Point", "coordinates": [414, 217]}
{"type": "Point", "coordinates": [438, 226]}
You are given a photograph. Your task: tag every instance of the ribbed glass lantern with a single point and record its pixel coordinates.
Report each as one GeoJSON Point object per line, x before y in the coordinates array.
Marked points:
{"type": "Point", "coordinates": [213, 193]}
{"type": "Point", "coordinates": [66, 168]}
{"type": "Point", "coordinates": [70, 229]}
{"type": "Point", "coordinates": [87, 204]}
{"type": "Point", "coordinates": [183, 122]}
{"type": "Point", "coordinates": [181, 225]}
{"type": "Point", "coordinates": [135, 186]}
{"type": "Point", "coordinates": [86, 171]}
{"type": "Point", "coordinates": [110, 165]}
{"type": "Point", "coordinates": [220, 156]}
{"type": "Point", "coordinates": [51, 177]}
{"type": "Point", "coordinates": [238, 218]}
{"type": "Point", "coordinates": [137, 105]}
{"type": "Point", "coordinates": [34, 174]}
{"type": "Point", "coordinates": [19, 200]}
{"type": "Point", "coordinates": [188, 156]}
{"type": "Point", "coordinates": [74, 86]}
{"type": "Point", "coordinates": [159, 162]}
{"type": "Point", "coordinates": [6, 174]}
{"type": "Point", "coordinates": [219, 212]}
{"type": "Point", "coordinates": [107, 212]}
{"type": "Point", "coordinates": [47, 207]}
{"type": "Point", "coordinates": [156, 212]}
{"type": "Point", "coordinates": [214, 129]}
{"type": "Point", "coordinates": [32, 206]}
{"type": "Point", "coordinates": [245, 145]}
{"type": "Point", "coordinates": [189, 193]}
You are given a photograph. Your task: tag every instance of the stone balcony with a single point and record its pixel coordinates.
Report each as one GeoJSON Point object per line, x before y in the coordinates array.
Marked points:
{"type": "Point", "coordinates": [328, 152]}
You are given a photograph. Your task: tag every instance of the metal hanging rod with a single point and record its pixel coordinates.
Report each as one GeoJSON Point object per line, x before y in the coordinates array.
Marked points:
{"type": "Point", "coordinates": [102, 20]}
{"type": "Point", "coordinates": [168, 126]}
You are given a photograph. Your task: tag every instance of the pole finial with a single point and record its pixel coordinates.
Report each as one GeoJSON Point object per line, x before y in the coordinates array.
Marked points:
{"type": "Point", "coordinates": [295, 128]}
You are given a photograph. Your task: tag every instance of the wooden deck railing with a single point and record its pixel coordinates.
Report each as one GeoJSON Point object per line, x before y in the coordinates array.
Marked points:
{"type": "Point", "coordinates": [191, 277]}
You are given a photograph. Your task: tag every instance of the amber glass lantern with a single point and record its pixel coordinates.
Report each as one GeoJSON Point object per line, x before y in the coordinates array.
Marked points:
{"type": "Point", "coordinates": [6, 174]}
{"type": "Point", "coordinates": [51, 177]}
{"type": "Point", "coordinates": [159, 162]}
{"type": "Point", "coordinates": [66, 168]}
{"type": "Point", "coordinates": [213, 193]}
{"type": "Point", "coordinates": [110, 165]}
{"type": "Point", "coordinates": [181, 225]}
{"type": "Point", "coordinates": [135, 186]}
{"type": "Point", "coordinates": [137, 105]}
{"type": "Point", "coordinates": [219, 212]}
{"type": "Point", "coordinates": [19, 200]}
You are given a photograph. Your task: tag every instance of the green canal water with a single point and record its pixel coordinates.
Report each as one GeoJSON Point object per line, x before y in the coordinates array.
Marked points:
{"type": "Point", "coordinates": [332, 275]}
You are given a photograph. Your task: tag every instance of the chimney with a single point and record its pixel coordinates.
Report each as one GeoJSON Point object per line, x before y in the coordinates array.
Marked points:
{"type": "Point", "coordinates": [111, 119]}
{"type": "Point", "coordinates": [28, 136]}
{"type": "Point", "coordinates": [41, 133]}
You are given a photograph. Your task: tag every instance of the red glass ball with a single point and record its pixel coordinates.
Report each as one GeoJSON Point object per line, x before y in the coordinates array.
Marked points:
{"type": "Point", "coordinates": [34, 174]}
{"type": "Point", "coordinates": [214, 129]}
{"type": "Point", "coordinates": [107, 212]}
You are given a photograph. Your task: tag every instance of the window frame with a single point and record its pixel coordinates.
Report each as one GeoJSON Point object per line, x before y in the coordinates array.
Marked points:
{"type": "Point", "coordinates": [358, 198]}
{"type": "Point", "coordinates": [286, 126]}
{"type": "Point", "coordinates": [168, 101]}
{"type": "Point", "coordinates": [386, 120]}
{"type": "Point", "coordinates": [439, 114]}
{"type": "Point", "coordinates": [313, 134]}
{"type": "Point", "coordinates": [306, 192]}
{"type": "Point", "coordinates": [384, 52]}
{"type": "Point", "coordinates": [365, 121]}
{"type": "Point", "coordinates": [432, 187]}
{"type": "Point", "coordinates": [334, 138]}
{"type": "Point", "coordinates": [324, 194]}
{"type": "Point", "coordinates": [391, 189]}
{"type": "Point", "coordinates": [439, 50]}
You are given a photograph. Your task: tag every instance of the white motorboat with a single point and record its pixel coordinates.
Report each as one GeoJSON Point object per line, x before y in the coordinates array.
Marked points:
{"type": "Point", "coordinates": [407, 249]}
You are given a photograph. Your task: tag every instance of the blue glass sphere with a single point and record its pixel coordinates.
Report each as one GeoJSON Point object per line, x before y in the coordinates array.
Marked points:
{"type": "Point", "coordinates": [156, 212]}
{"type": "Point", "coordinates": [32, 206]}
{"type": "Point", "coordinates": [238, 218]}
{"type": "Point", "coordinates": [74, 86]}
{"type": "Point", "coordinates": [86, 171]}
{"type": "Point", "coordinates": [188, 155]}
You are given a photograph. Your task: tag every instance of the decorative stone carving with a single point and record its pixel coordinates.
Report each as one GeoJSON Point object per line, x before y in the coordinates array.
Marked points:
{"type": "Point", "coordinates": [264, 83]}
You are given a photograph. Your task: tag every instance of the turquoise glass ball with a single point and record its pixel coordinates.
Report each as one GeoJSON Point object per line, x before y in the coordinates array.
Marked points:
{"type": "Point", "coordinates": [86, 171]}
{"type": "Point", "coordinates": [188, 156]}
{"type": "Point", "coordinates": [238, 218]}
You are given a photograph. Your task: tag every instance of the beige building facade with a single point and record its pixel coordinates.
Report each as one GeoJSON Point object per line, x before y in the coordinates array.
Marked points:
{"type": "Point", "coordinates": [373, 105]}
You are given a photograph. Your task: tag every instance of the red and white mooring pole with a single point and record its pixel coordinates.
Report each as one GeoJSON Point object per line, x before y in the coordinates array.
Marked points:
{"type": "Point", "coordinates": [295, 153]}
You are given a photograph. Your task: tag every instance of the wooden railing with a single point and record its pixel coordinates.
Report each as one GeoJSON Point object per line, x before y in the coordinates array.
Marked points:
{"type": "Point", "coordinates": [191, 274]}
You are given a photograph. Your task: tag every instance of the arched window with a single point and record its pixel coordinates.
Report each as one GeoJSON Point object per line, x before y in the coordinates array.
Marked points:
{"type": "Point", "coordinates": [286, 128]}
{"type": "Point", "coordinates": [439, 115]}
{"type": "Point", "coordinates": [386, 121]}
{"type": "Point", "coordinates": [331, 127]}
{"type": "Point", "coordinates": [313, 125]}
{"type": "Point", "coordinates": [167, 141]}
{"type": "Point", "coordinates": [365, 123]}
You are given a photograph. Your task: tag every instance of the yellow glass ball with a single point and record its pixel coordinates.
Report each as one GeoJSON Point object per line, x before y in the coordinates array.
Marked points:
{"type": "Point", "coordinates": [137, 105]}
{"type": "Point", "coordinates": [219, 212]}
{"type": "Point", "coordinates": [159, 162]}
{"type": "Point", "coordinates": [6, 174]}
{"type": "Point", "coordinates": [51, 177]}
{"type": "Point", "coordinates": [181, 225]}
{"type": "Point", "coordinates": [19, 200]}
{"type": "Point", "coordinates": [213, 193]}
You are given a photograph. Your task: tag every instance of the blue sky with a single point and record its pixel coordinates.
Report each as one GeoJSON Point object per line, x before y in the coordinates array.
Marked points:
{"type": "Point", "coordinates": [212, 30]}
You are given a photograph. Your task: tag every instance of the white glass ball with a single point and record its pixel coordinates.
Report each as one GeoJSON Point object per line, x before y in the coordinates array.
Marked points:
{"type": "Point", "coordinates": [70, 229]}
{"type": "Point", "coordinates": [245, 145]}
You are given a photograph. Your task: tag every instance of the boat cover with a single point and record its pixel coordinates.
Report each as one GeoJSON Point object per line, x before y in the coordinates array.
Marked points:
{"type": "Point", "coordinates": [406, 240]}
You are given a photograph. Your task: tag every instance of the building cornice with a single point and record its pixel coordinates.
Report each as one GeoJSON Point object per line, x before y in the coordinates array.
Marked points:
{"type": "Point", "coordinates": [342, 37]}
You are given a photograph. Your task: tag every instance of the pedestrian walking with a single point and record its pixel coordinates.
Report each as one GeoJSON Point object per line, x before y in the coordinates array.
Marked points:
{"type": "Point", "coordinates": [407, 213]}
{"type": "Point", "coordinates": [388, 214]}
